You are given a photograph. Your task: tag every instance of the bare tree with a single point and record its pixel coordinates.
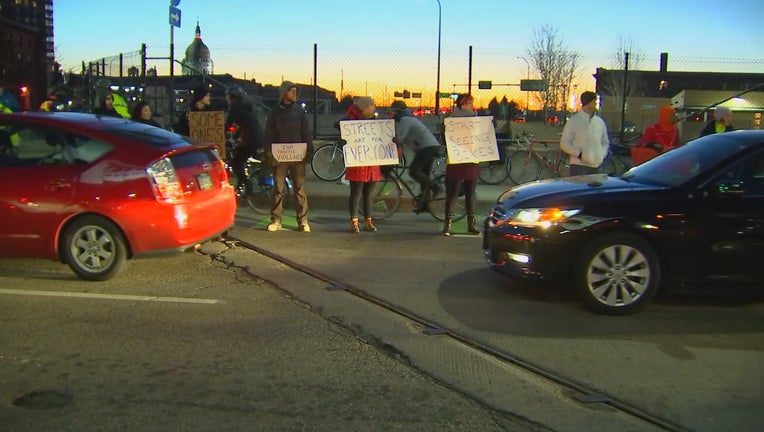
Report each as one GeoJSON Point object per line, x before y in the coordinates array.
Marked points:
{"type": "Point", "coordinates": [556, 65]}
{"type": "Point", "coordinates": [612, 83]}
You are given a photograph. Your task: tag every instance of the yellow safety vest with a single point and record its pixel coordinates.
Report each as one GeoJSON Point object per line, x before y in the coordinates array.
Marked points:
{"type": "Point", "coordinates": [120, 105]}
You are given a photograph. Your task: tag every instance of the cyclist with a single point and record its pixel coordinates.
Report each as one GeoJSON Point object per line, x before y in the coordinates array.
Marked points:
{"type": "Point", "coordinates": [412, 133]}
{"type": "Point", "coordinates": [248, 135]}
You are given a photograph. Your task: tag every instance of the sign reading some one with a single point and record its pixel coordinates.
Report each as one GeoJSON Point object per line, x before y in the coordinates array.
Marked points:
{"type": "Point", "coordinates": [369, 142]}
{"type": "Point", "coordinates": [208, 126]}
{"type": "Point", "coordinates": [289, 152]}
{"type": "Point", "coordinates": [470, 139]}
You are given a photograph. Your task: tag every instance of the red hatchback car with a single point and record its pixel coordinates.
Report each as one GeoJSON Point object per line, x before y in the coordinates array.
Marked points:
{"type": "Point", "coordinates": [95, 191]}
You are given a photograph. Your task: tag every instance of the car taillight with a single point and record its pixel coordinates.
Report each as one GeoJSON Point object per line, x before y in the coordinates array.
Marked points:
{"type": "Point", "coordinates": [167, 186]}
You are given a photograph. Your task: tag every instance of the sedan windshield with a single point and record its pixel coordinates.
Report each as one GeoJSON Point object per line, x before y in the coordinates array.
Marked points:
{"type": "Point", "coordinates": [682, 164]}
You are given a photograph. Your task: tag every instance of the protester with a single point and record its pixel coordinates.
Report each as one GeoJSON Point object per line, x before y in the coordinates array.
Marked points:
{"type": "Point", "coordinates": [241, 116]}
{"type": "Point", "coordinates": [142, 114]}
{"type": "Point", "coordinates": [722, 122]}
{"type": "Point", "coordinates": [201, 101]}
{"type": "Point", "coordinates": [106, 108]}
{"type": "Point", "coordinates": [412, 133]}
{"type": "Point", "coordinates": [287, 123]}
{"type": "Point", "coordinates": [119, 103]}
{"type": "Point", "coordinates": [363, 180]}
{"type": "Point", "coordinates": [657, 138]}
{"type": "Point", "coordinates": [584, 138]}
{"type": "Point", "coordinates": [463, 175]}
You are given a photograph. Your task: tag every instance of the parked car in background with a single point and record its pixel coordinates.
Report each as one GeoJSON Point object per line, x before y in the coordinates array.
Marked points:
{"type": "Point", "coordinates": [691, 219]}
{"type": "Point", "coordinates": [94, 192]}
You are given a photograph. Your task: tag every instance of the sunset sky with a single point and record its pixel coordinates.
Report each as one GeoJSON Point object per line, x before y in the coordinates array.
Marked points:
{"type": "Point", "coordinates": [376, 48]}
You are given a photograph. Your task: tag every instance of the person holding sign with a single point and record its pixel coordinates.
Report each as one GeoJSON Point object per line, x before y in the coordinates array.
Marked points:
{"type": "Point", "coordinates": [462, 175]}
{"type": "Point", "coordinates": [288, 146]}
{"type": "Point", "coordinates": [363, 179]}
{"type": "Point", "coordinates": [201, 102]}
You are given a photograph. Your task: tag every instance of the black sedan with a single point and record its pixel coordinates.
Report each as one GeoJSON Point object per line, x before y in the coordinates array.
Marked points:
{"type": "Point", "coordinates": [691, 219]}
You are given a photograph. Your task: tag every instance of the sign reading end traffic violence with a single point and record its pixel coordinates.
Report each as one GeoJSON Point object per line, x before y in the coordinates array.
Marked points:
{"type": "Point", "coordinates": [289, 152]}
{"type": "Point", "coordinates": [369, 142]}
{"type": "Point", "coordinates": [470, 139]}
{"type": "Point", "coordinates": [208, 126]}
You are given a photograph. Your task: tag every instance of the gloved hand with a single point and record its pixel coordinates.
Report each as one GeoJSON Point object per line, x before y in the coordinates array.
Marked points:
{"type": "Point", "coordinates": [655, 146]}
{"type": "Point", "coordinates": [269, 160]}
{"type": "Point", "coordinates": [308, 155]}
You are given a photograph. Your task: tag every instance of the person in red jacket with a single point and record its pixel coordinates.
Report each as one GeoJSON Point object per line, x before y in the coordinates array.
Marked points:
{"type": "Point", "coordinates": [363, 179]}
{"type": "Point", "coordinates": [664, 133]}
{"type": "Point", "coordinates": [659, 137]}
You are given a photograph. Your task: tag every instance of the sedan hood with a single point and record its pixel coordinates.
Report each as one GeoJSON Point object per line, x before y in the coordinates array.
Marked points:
{"type": "Point", "coordinates": [565, 189]}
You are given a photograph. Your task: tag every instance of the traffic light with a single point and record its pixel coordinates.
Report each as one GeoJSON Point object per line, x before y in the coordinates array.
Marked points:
{"type": "Point", "coordinates": [24, 91]}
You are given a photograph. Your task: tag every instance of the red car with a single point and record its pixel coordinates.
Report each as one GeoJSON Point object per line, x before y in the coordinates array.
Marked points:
{"type": "Point", "coordinates": [94, 192]}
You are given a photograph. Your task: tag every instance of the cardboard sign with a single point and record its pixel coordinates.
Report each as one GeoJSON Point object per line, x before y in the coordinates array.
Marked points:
{"type": "Point", "coordinates": [369, 142]}
{"type": "Point", "coordinates": [291, 152]}
{"type": "Point", "coordinates": [470, 139]}
{"type": "Point", "coordinates": [208, 126]}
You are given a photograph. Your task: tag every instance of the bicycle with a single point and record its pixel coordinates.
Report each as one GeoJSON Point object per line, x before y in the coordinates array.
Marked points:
{"type": "Point", "coordinates": [526, 164]}
{"type": "Point", "coordinates": [328, 161]}
{"type": "Point", "coordinates": [390, 193]}
{"type": "Point", "coordinates": [618, 159]}
{"type": "Point", "coordinates": [496, 172]}
{"type": "Point", "coordinates": [261, 182]}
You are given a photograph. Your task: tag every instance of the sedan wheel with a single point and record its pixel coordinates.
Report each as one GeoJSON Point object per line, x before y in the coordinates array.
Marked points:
{"type": "Point", "coordinates": [94, 248]}
{"type": "Point", "coordinates": [617, 274]}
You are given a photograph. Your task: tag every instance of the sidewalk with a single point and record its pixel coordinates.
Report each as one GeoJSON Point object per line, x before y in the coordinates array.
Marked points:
{"type": "Point", "coordinates": [323, 195]}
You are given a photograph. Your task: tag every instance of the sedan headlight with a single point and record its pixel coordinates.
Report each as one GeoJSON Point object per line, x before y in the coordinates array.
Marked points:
{"type": "Point", "coordinates": [538, 217]}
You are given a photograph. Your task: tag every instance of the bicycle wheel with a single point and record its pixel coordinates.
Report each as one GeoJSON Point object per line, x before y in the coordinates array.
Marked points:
{"type": "Point", "coordinates": [399, 169]}
{"type": "Point", "coordinates": [328, 162]}
{"type": "Point", "coordinates": [524, 167]}
{"type": "Point", "coordinates": [437, 206]}
{"type": "Point", "coordinates": [609, 165]}
{"type": "Point", "coordinates": [260, 199]}
{"type": "Point", "coordinates": [387, 198]}
{"type": "Point", "coordinates": [493, 172]}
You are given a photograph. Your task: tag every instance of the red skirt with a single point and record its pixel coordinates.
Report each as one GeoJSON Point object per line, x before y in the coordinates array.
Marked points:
{"type": "Point", "coordinates": [463, 171]}
{"type": "Point", "coordinates": [363, 174]}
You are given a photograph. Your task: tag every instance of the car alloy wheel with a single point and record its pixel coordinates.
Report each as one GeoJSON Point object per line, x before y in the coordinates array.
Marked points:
{"type": "Point", "coordinates": [617, 274]}
{"type": "Point", "coordinates": [94, 248]}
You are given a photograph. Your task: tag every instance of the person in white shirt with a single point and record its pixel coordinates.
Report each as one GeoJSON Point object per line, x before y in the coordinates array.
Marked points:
{"type": "Point", "coordinates": [584, 138]}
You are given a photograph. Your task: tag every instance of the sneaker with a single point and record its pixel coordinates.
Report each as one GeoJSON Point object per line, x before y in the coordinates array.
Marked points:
{"type": "Point", "coordinates": [274, 226]}
{"type": "Point", "coordinates": [304, 227]}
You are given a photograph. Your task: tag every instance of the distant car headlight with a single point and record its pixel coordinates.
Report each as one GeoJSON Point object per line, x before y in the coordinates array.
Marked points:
{"type": "Point", "coordinates": [538, 217]}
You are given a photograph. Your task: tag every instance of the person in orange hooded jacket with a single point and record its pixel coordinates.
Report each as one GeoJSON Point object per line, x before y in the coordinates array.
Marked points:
{"type": "Point", "coordinates": [663, 135]}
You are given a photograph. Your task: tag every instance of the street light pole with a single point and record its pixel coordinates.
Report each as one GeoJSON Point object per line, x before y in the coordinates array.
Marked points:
{"type": "Point", "coordinates": [437, 84]}
{"type": "Point", "coordinates": [528, 76]}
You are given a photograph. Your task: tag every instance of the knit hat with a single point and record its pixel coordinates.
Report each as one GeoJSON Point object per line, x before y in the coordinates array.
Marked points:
{"type": "Point", "coordinates": [284, 87]}
{"type": "Point", "coordinates": [364, 102]}
{"type": "Point", "coordinates": [720, 112]}
{"type": "Point", "coordinates": [398, 106]}
{"type": "Point", "coordinates": [200, 92]}
{"type": "Point", "coordinates": [587, 97]}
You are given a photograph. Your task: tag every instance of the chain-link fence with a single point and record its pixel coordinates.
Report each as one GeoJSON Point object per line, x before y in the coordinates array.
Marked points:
{"type": "Point", "coordinates": [407, 73]}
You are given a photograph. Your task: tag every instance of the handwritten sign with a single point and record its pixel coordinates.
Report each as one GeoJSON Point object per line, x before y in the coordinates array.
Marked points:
{"type": "Point", "coordinates": [369, 142]}
{"type": "Point", "coordinates": [208, 126]}
{"type": "Point", "coordinates": [289, 152]}
{"type": "Point", "coordinates": [470, 139]}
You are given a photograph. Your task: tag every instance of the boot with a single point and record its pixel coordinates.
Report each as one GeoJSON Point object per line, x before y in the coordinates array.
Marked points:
{"type": "Point", "coordinates": [354, 228]}
{"type": "Point", "coordinates": [471, 228]}
{"type": "Point", "coordinates": [369, 225]}
{"type": "Point", "coordinates": [447, 227]}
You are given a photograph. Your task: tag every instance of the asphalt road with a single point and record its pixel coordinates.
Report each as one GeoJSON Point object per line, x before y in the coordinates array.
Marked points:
{"type": "Point", "coordinates": [231, 339]}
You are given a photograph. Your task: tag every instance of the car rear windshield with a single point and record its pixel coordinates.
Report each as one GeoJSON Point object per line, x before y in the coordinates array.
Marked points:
{"type": "Point", "coordinates": [153, 136]}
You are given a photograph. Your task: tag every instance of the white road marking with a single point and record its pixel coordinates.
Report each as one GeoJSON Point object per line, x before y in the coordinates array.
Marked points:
{"type": "Point", "coordinates": [108, 296]}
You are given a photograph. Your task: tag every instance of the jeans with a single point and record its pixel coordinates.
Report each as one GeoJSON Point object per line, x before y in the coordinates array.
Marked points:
{"type": "Point", "coordinates": [422, 165]}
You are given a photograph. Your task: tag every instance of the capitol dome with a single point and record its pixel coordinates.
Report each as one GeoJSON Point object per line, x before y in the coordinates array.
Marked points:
{"type": "Point", "coordinates": [197, 60]}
